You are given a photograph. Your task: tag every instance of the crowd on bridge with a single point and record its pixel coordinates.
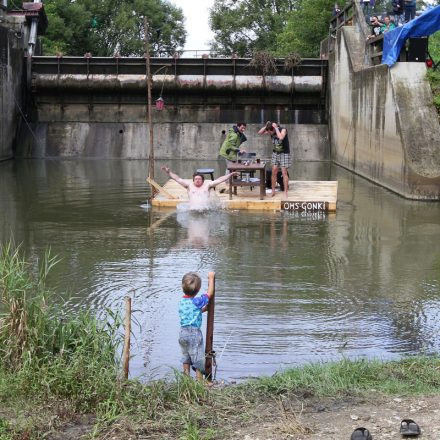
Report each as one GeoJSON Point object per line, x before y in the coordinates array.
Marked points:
{"type": "Point", "coordinates": [397, 13]}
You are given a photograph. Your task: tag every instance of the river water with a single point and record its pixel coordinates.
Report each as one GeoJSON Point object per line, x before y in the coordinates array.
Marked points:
{"type": "Point", "coordinates": [291, 288]}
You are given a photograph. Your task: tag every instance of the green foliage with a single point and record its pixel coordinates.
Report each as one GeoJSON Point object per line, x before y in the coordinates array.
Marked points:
{"type": "Point", "coordinates": [67, 353]}
{"type": "Point", "coordinates": [306, 27]}
{"type": "Point", "coordinates": [245, 26]}
{"type": "Point", "coordinates": [5, 431]}
{"type": "Point", "coordinates": [192, 432]}
{"type": "Point", "coordinates": [409, 376]}
{"type": "Point", "coordinates": [434, 79]}
{"type": "Point", "coordinates": [434, 47]}
{"type": "Point", "coordinates": [109, 26]}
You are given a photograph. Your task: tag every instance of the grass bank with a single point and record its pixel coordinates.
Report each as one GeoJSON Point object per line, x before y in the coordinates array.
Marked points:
{"type": "Point", "coordinates": [59, 371]}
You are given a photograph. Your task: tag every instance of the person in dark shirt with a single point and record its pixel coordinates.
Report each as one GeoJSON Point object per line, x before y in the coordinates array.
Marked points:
{"type": "Point", "coordinates": [281, 156]}
{"type": "Point", "coordinates": [376, 26]}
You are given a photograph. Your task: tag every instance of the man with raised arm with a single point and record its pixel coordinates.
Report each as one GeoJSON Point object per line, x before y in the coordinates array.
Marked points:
{"type": "Point", "coordinates": [198, 189]}
{"type": "Point", "coordinates": [281, 156]}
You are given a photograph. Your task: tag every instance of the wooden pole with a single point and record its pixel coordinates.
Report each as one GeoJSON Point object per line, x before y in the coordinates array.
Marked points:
{"type": "Point", "coordinates": [127, 325]}
{"type": "Point", "coordinates": [149, 109]}
{"type": "Point", "coordinates": [210, 336]}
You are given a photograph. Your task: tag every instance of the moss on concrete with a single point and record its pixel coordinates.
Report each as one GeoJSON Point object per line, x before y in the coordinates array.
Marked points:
{"type": "Point", "coordinates": [434, 79]}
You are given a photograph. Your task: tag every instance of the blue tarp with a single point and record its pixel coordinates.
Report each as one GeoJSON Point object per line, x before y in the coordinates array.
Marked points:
{"type": "Point", "coordinates": [422, 26]}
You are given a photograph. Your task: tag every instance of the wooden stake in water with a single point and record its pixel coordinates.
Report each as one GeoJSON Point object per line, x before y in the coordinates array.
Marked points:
{"type": "Point", "coordinates": [210, 335]}
{"type": "Point", "coordinates": [127, 325]}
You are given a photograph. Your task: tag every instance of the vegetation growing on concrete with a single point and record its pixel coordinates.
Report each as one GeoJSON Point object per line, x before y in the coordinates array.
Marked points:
{"type": "Point", "coordinates": [58, 368]}
{"type": "Point", "coordinates": [434, 79]}
{"type": "Point", "coordinates": [434, 75]}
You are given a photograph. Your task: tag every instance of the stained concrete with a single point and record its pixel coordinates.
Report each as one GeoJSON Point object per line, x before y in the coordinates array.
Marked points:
{"type": "Point", "coordinates": [128, 140]}
{"type": "Point", "coordinates": [12, 35]}
{"type": "Point", "coordinates": [383, 124]}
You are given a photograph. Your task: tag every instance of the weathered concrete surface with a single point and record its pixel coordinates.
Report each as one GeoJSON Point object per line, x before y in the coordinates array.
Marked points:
{"type": "Point", "coordinates": [11, 67]}
{"type": "Point", "coordinates": [129, 140]}
{"type": "Point", "coordinates": [383, 124]}
{"type": "Point", "coordinates": [136, 83]}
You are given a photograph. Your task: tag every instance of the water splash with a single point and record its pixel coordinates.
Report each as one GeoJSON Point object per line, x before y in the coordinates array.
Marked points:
{"type": "Point", "coordinates": [213, 203]}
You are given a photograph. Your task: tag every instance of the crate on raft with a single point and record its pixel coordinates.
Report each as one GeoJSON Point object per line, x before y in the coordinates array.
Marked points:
{"type": "Point", "coordinates": [303, 195]}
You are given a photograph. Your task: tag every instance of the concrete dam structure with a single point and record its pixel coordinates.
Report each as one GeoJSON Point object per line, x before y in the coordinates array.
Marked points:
{"type": "Point", "coordinates": [96, 107]}
{"type": "Point", "coordinates": [376, 121]}
{"type": "Point", "coordinates": [383, 123]}
{"type": "Point", "coordinates": [13, 33]}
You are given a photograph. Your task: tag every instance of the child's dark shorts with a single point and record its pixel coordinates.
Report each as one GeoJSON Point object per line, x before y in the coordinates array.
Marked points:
{"type": "Point", "coordinates": [191, 343]}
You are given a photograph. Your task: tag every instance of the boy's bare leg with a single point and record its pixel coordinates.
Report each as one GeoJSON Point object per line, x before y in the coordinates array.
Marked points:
{"type": "Point", "coordinates": [186, 368]}
{"type": "Point", "coordinates": [274, 179]}
{"type": "Point", "coordinates": [199, 376]}
{"type": "Point", "coordinates": [285, 181]}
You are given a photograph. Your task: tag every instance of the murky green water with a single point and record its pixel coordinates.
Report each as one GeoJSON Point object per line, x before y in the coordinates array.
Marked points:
{"type": "Point", "coordinates": [291, 288]}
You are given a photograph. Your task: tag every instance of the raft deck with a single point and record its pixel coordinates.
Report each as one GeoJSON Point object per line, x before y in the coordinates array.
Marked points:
{"type": "Point", "coordinates": [303, 195]}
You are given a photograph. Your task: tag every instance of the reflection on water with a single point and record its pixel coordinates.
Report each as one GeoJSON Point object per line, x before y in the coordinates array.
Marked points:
{"type": "Point", "coordinates": [291, 288]}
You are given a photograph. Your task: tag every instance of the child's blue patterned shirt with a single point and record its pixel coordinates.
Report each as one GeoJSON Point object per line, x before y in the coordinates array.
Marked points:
{"type": "Point", "coordinates": [190, 310]}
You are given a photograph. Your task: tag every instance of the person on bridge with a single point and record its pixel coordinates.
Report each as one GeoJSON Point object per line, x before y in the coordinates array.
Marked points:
{"type": "Point", "coordinates": [198, 190]}
{"type": "Point", "coordinates": [231, 145]}
{"type": "Point", "coordinates": [409, 7]}
{"type": "Point", "coordinates": [281, 153]}
{"type": "Point", "coordinates": [388, 25]}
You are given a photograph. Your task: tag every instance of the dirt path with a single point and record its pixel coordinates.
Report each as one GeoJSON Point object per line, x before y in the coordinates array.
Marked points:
{"type": "Point", "coordinates": [336, 419]}
{"type": "Point", "coordinates": [298, 419]}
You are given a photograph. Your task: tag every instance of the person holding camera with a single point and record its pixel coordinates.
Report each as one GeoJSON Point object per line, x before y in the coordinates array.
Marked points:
{"type": "Point", "coordinates": [376, 27]}
{"type": "Point", "coordinates": [281, 153]}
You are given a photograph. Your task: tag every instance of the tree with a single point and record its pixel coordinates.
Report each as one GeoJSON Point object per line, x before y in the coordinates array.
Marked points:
{"type": "Point", "coordinates": [245, 26]}
{"type": "Point", "coordinates": [306, 27]}
{"type": "Point", "coordinates": [108, 26]}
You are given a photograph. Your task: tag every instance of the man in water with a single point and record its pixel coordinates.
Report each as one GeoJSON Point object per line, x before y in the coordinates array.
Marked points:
{"type": "Point", "coordinates": [198, 189]}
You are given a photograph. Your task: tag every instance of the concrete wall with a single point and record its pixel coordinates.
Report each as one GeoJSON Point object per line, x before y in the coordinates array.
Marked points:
{"type": "Point", "coordinates": [383, 124]}
{"type": "Point", "coordinates": [172, 140]}
{"type": "Point", "coordinates": [105, 116]}
{"type": "Point", "coordinates": [11, 65]}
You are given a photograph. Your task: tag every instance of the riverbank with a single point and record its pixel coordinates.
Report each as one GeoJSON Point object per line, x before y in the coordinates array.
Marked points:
{"type": "Point", "coordinates": [60, 379]}
{"type": "Point", "coordinates": [312, 402]}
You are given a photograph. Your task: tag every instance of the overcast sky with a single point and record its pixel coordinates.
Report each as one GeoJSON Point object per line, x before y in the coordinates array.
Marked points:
{"type": "Point", "coordinates": [196, 22]}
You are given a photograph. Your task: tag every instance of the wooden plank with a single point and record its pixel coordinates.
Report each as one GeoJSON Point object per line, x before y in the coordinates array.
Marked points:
{"type": "Point", "coordinates": [299, 191]}
{"type": "Point", "coordinates": [159, 188]}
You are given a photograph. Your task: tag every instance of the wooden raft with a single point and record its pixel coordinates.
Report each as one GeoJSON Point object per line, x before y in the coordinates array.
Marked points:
{"type": "Point", "coordinates": [303, 195]}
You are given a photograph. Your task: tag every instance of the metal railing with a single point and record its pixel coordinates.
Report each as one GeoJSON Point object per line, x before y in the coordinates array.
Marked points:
{"type": "Point", "coordinates": [343, 18]}
{"type": "Point", "coordinates": [89, 65]}
{"type": "Point", "coordinates": [352, 14]}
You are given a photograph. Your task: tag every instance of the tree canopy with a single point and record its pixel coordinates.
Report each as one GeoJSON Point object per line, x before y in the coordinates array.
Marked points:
{"type": "Point", "coordinates": [245, 26]}
{"type": "Point", "coordinates": [105, 27]}
{"type": "Point", "coordinates": [306, 27]}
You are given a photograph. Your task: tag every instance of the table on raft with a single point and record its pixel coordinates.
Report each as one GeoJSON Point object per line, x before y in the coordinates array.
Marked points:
{"type": "Point", "coordinates": [253, 182]}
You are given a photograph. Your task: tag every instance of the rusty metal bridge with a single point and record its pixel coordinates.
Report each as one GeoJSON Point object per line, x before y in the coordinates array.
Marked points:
{"type": "Point", "coordinates": [231, 85]}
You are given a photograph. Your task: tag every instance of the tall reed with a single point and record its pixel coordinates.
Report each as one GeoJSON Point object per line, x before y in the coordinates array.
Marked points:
{"type": "Point", "coordinates": [53, 352]}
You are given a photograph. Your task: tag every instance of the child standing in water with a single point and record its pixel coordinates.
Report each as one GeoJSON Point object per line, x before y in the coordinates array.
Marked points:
{"type": "Point", "coordinates": [191, 308]}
